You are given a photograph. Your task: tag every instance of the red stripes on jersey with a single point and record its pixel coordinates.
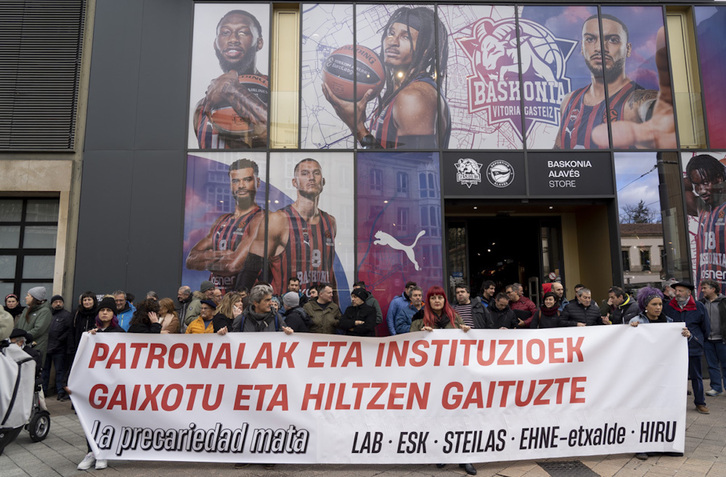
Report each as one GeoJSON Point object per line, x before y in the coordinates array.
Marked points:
{"type": "Point", "coordinates": [308, 255]}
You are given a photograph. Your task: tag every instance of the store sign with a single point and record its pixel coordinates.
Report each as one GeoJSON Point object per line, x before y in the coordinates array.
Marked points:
{"type": "Point", "coordinates": [588, 174]}
{"type": "Point", "coordinates": [484, 174]}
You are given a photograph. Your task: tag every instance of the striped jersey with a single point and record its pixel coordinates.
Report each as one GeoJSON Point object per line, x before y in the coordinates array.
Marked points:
{"type": "Point", "coordinates": [227, 234]}
{"type": "Point", "coordinates": [579, 119]}
{"type": "Point", "coordinates": [384, 129]}
{"type": "Point", "coordinates": [308, 255]}
{"type": "Point", "coordinates": [711, 246]}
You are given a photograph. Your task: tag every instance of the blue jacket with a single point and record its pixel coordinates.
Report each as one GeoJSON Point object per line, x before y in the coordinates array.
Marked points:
{"type": "Point", "coordinates": [403, 318]}
{"type": "Point", "coordinates": [398, 302]}
{"type": "Point", "coordinates": [696, 319]}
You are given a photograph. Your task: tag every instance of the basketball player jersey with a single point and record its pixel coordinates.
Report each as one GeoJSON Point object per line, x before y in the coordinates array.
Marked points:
{"type": "Point", "coordinates": [226, 235]}
{"type": "Point", "coordinates": [384, 129]}
{"type": "Point", "coordinates": [580, 119]}
{"type": "Point", "coordinates": [308, 255]}
{"type": "Point", "coordinates": [710, 246]}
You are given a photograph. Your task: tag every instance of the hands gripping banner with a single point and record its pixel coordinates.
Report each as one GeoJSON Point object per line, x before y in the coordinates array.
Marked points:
{"type": "Point", "coordinates": [442, 396]}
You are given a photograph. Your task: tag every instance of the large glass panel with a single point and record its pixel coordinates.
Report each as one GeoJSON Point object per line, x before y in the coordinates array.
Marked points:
{"type": "Point", "coordinates": [285, 92]}
{"type": "Point", "coordinates": [327, 41]}
{"type": "Point", "coordinates": [38, 266]}
{"type": "Point", "coordinates": [481, 84]}
{"type": "Point", "coordinates": [636, 68]}
{"type": "Point", "coordinates": [406, 113]}
{"type": "Point", "coordinates": [229, 91]}
{"type": "Point", "coordinates": [552, 68]}
{"type": "Point", "coordinates": [711, 34]}
{"type": "Point", "coordinates": [704, 183]}
{"type": "Point", "coordinates": [7, 266]}
{"type": "Point", "coordinates": [641, 227]}
{"type": "Point", "coordinates": [310, 235]}
{"type": "Point", "coordinates": [43, 236]}
{"type": "Point", "coordinates": [220, 214]}
{"type": "Point", "coordinates": [9, 236]}
{"type": "Point", "coordinates": [11, 210]}
{"type": "Point", "coordinates": [42, 210]}
{"type": "Point", "coordinates": [387, 257]}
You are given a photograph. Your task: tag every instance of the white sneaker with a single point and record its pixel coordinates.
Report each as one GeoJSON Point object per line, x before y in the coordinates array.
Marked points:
{"type": "Point", "coordinates": [87, 462]}
{"type": "Point", "coordinates": [712, 392]}
{"type": "Point", "coordinates": [101, 464]}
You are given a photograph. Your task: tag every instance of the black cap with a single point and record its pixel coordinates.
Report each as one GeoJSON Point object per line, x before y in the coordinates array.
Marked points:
{"type": "Point", "coordinates": [18, 333]}
{"type": "Point", "coordinates": [209, 303]}
{"type": "Point", "coordinates": [360, 293]}
{"type": "Point", "coordinates": [685, 284]}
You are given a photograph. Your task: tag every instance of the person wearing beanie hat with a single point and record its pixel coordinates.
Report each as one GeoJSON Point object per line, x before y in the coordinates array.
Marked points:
{"type": "Point", "coordinates": [359, 319]}
{"type": "Point", "coordinates": [206, 286]}
{"type": "Point", "coordinates": [36, 319]}
{"type": "Point", "coordinates": [295, 316]}
{"type": "Point", "coordinates": [39, 293]}
{"type": "Point", "coordinates": [106, 319]}
{"type": "Point", "coordinates": [59, 333]}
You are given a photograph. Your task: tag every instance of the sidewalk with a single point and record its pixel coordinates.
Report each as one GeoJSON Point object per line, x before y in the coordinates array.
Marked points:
{"type": "Point", "coordinates": [65, 446]}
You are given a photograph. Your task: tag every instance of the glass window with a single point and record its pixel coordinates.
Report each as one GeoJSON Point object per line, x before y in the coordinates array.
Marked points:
{"type": "Point", "coordinates": [41, 210]}
{"type": "Point", "coordinates": [40, 236]}
{"type": "Point", "coordinates": [38, 266]}
{"type": "Point", "coordinates": [376, 180]}
{"type": "Point", "coordinates": [28, 233]}
{"type": "Point", "coordinates": [626, 260]}
{"type": "Point", "coordinates": [7, 267]}
{"type": "Point", "coordinates": [402, 182]}
{"type": "Point", "coordinates": [645, 258]}
{"type": "Point", "coordinates": [11, 210]}
{"type": "Point", "coordinates": [9, 236]}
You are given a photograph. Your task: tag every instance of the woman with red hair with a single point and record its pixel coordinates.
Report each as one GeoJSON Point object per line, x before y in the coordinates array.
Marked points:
{"type": "Point", "coordinates": [437, 313]}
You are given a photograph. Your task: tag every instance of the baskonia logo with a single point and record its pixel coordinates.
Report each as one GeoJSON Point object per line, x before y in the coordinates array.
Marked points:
{"type": "Point", "coordinates": [500, 173]}
{"type": "Point", "coordinates": [495, 88]}
{"type": "Point", "coordinates": [467, 172]}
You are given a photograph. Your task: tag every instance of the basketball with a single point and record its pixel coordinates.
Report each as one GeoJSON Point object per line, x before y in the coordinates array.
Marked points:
{"type": "Point", "coordinates": [339, 76]}
{"type": "Point", "coordinates": [226, 120]}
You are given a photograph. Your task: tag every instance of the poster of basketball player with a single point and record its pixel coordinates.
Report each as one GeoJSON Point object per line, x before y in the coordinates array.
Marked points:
{"type": "Point", "coordinates": [704, 188]}
{"type": "Point", "coordinates": [641, 229]}
{"type": "Point", "coordinates": [229, 80]}
{"type": "Point", "coordinates": [398, 222]}
{"type": "Point", "coordinates": [395, 104]}
{"type": "Point", "coordinates": [224, 208]}
{"type": "Point", "coordinates": [629, 64]}
{"type": "Point", "coordinates": [310, 226]}
{"type": "Point", "coordinates": [711, 37]}
{"type": "Point", "coordinates": [326, 28]}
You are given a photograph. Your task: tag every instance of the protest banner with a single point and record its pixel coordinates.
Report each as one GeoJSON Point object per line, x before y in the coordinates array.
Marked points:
{"type": "Point", "coordinates": [440, 397]}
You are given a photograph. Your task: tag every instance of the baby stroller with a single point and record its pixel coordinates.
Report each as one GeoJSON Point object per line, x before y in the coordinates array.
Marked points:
{"type": "Point", "coordinates": [17, 381]}
{"type": "Point", "coordinates": [38, 424]}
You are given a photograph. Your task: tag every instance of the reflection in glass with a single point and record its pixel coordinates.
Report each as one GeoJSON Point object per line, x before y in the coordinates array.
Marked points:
{"type": "Point", "coordinates": [9, 236]}
{"type": "Point", "coordinates": [7, 266]}
{"type": "Point", "coordinates": [42, 210]}
{"type": "Point", "coordinates": [11, 210]}
{"type": "Point", "coordinates": [43, 236]}
{"type": "Point", "coordinates": [38, 266]}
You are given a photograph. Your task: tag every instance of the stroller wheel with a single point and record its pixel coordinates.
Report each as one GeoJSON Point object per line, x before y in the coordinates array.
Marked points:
{"type": "Point", "coordinates": [39, 426]}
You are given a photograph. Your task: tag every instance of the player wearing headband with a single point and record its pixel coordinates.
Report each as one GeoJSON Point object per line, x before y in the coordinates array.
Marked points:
{"type": "Point", "coordinates": [410, 113]}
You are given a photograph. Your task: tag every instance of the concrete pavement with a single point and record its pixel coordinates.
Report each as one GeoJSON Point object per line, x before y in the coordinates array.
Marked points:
{"type": "Point", "coordinates": [65, 446]}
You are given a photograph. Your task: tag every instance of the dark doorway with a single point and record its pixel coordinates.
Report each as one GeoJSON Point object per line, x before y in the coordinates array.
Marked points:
{"type": "Point", "coordinates": [505, 250]}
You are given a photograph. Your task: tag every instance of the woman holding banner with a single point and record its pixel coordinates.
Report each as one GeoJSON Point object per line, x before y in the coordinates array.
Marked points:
{"type": "Point", "coordinates": [437, 313]}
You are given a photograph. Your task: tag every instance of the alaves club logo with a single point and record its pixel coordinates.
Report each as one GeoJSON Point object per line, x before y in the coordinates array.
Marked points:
{"type": "Point", "coordinates": [500, 173]}
{"type": "Point", "coordinates": [494, 86]}
{"type": "Point", "coordinates": [467, 172]}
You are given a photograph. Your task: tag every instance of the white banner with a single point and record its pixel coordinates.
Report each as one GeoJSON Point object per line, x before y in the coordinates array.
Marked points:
{"type": "Point", "coordinates": [440, 397]}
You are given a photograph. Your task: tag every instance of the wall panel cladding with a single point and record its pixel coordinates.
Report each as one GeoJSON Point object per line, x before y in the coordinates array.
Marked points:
{"type": "Point", "coordinates": [39, 73]}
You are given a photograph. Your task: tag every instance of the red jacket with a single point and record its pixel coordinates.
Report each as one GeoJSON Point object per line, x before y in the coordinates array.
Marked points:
{"type": "Point", "coordinates": [525, 304]}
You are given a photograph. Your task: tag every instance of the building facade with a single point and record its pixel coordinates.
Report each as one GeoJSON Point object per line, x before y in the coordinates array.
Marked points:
{"type": "Point", "coordinates": [434, 142]}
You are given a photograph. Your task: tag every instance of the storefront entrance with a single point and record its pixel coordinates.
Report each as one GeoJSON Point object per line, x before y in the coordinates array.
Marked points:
{"type": "Point", "coordinates": [528, 244]}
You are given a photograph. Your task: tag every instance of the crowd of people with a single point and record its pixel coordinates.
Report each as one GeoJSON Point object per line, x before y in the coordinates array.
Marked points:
{"type": "Point", "coordinates": [56, 332]}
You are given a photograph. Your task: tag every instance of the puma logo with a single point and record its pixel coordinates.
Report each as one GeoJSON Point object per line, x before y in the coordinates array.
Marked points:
{"type": "Point", "coordinates": [382, 238]}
